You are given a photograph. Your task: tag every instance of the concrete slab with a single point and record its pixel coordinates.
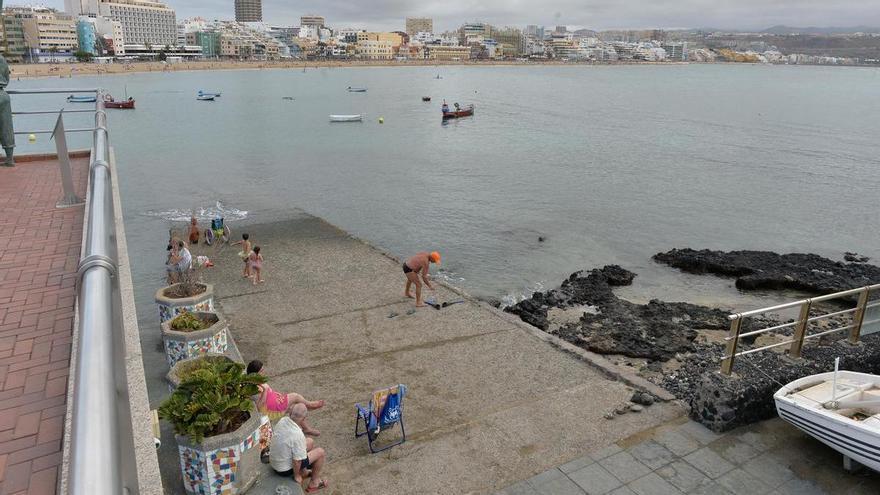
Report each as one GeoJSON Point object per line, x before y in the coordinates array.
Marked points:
{"type": "Point", "coordinates": [489, 403]}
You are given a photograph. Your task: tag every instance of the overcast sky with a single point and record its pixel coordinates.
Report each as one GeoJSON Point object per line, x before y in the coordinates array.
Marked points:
{"type": "Point", "coordinates": [593, 14]}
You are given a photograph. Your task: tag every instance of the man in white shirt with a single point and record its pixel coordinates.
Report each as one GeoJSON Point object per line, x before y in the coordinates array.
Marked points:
{"type": "Point", "coordinates": [291, 453]}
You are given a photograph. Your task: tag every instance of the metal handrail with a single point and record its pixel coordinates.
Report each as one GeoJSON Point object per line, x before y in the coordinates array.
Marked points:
{"type": "Point", "coordinates": [800, 325]}
{"type": "Point", "coordinates": [94, 451]}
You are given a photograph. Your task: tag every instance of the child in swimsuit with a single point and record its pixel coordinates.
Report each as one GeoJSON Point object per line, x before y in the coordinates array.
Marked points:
{"type": "Point", "coordinates": [193, 231]}
{"type": "Point", "coordinates": [244, 254]}
{"type": "Point", "coordinates": [256, 261]}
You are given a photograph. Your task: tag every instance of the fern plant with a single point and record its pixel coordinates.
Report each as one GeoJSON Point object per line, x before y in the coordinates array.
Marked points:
{"type": "Point", "coordinates": [190, 322]}
{"type": "Point", "coordinates": [212, 400]}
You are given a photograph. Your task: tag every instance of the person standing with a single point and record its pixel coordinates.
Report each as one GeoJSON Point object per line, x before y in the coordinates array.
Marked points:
{"type": "Point", "coordinates": [245, 254]}
{"type": "Point", "coordinates": [413, 268]}
{"type": "Point", "coordinates": [292, 454]}
{"type": "Point", "coordinates": [7, 136]}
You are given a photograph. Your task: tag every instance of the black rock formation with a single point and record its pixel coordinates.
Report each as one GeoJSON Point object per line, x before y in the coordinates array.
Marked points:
{"type": "Point", "coordinates": [656, 331]}
{"type": "Point", "coordinates": [724, 402]}
{"type": "Point", "coordinates": [768, 270]}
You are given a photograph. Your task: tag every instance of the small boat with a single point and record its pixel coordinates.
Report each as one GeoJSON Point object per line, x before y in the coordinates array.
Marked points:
{"type": "Point", "coordinates": [461, 112]}
{"type": "Point", "coordinates": [426, 98]}
{"type": "Point", "coordinates": [208, 93]}
{"type": "Point", "coordinates": [286, 97]}
{"type": "Point", "coordinates": [840, 409]}
{"type": "Point", "coordinates": [347, 118]}
{"type": "Point", "coordinates": [82, 99]}
{"type": "Point", "coordinates": [205, 97]}
{"type": "Point", "coordinates": [109, 102]}
{"type": "Point", "coordinates": [357, 90]}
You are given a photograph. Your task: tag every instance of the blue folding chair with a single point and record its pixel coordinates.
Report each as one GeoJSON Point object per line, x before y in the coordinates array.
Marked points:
{"type": "Point", "coordinates": [383, 412]}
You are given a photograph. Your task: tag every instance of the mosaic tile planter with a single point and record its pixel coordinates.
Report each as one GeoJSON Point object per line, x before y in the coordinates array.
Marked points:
{"type": "Point", "coordinates": [173, 376]}
{"type": "Point", "coordinates": [224, 464]}
{"type": "Point", "coordinates": [169, 307]}
{"type": "Point", "coordinates": [186, 345]}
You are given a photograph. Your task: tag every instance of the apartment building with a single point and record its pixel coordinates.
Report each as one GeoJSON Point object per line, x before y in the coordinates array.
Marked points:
{"type": "Point", "coordinates": [47, 30]}
{"type": "Point", "coordinates": [143, 21]}
{"type": "Point", "coordinates": [248, 11]}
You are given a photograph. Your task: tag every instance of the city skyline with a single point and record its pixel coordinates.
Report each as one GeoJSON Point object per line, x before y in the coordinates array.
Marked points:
{"type": "Point", "coordinates": [591, 14]}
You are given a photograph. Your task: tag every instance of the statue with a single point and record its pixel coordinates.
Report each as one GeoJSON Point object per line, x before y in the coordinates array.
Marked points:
{"type": "Point", "coordinates": [7, 137]}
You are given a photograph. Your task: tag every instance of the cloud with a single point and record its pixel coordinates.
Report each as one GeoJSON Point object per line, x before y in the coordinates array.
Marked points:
{"type": "Point", "coordinates": [594, 14]}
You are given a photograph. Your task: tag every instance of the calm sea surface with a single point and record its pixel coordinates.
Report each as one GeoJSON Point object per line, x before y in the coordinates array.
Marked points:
{"type": "Point", "coordinates": [610, 164]}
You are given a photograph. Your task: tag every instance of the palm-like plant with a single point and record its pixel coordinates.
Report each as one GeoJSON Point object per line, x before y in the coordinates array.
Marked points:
{"type": "Point", "coordinates": [212, 400]}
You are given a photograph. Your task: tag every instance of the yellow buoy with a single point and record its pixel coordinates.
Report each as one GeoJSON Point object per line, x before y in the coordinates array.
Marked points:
{"type": "Point", "coordinates": [32, 138]}
{"type": "Point", "coordinates": [381, 120]}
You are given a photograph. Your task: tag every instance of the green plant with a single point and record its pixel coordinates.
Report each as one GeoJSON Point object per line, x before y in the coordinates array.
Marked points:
{"type": "Point", "coordinates": [190, 322]}
{"type": "Point", "coordinates": [211, 400]}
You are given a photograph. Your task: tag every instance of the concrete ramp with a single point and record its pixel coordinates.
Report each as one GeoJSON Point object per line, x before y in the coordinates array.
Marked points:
{"type": "Point", "coordinates": [489, 403]}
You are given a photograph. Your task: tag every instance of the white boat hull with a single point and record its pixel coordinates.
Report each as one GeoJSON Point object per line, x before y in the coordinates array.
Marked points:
{"type": "Point", "coordinates": [857, 439]}
{"type": "Point", "coordinates": [346, 118]}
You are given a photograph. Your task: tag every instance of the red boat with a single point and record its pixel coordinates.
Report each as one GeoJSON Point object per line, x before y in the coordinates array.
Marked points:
{"type": "Point", "coordinates": [109, 102]}
{"type": "Point", "coordinates": [461, 112]}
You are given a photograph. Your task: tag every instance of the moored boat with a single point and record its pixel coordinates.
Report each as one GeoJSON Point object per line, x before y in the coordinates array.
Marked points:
{"type": "Point", "coordinates": [459, 112]}
{"type": "Point", "coordinates": [357, 90]}
{"type": "Point", "coordinates": [346, 118]}
{"type": "Point", "coordinates": [109, 102]}
{"type": "Point", "coordinates": [208, 93]}
{"type": "Point", "coordinates": [82, 99]}
{"type": "Point", "coordinates": [205, 97]}
{"type": "Point", "coordinates": [840, 409]}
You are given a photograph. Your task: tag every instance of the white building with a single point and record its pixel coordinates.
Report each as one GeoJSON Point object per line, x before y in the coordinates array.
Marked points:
{"type": "Point", "coordinates": [143, 21]}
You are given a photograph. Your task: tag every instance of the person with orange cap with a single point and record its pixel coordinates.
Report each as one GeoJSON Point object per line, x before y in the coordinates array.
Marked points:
{"type": "Point", "coordinates": [415, 266]}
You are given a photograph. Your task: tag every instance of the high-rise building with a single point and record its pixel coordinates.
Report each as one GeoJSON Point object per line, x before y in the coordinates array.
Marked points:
{"type": "Point", "coordinates": [415, 25]}
{"type": "Point", "coordinates": [143, 21]}
{"type": "Point", "coordinates": [249, 10]}
{"type": "Point", "coordinates": [312, 20]}
{"type": "Point", "coordinates": [535, 32]}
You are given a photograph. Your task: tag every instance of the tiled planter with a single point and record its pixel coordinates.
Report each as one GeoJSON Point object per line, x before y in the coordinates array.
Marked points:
{"type": "Point", "coordinates": [224, 464]}
{"type": "Point", "coordinates": [173, 376]}
{"type": "Point", "coordinates": [169, 307]}
{"type": "Point", "coordinates": [185, 345]}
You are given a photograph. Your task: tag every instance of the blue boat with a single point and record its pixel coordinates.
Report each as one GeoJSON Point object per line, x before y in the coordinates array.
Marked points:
{"type": "Point", "coordinates": [81, 99]}
{"type": "Point", "coordinates": [208, 93]}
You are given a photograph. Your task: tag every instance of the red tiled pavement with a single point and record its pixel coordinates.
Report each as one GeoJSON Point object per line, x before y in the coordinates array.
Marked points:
{"type": "Point", "coordinates": [39, 252]}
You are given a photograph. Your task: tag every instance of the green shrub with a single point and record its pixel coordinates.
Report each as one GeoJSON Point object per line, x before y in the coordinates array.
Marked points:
{"type": "Point", "coordinates": [189, 322]}
{"type": "Point", "coordinates": [212, 400]}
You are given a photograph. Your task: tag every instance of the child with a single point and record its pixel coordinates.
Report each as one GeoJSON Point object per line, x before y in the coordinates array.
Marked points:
{"type": "Point", "coordinates": [245, 253]}
{"type": "Point", "coordinates": [193, 231]}
{"type": "Point", "coordinates": [256, 262]}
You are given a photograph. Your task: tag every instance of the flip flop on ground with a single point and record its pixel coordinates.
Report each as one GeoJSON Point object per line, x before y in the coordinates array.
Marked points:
{"type": "Point", "coordinates": [321, 485]}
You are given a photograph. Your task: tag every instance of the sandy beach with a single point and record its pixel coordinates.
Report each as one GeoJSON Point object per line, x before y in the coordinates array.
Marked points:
{"type": "Point", "coordinates": [65, 70]}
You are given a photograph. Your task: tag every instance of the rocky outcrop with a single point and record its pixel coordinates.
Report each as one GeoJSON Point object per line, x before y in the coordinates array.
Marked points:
{"type": "Point", "coordinates": [768, 270]}
{"type": "Point", "coordinates": [724, 402]}
{"type": "Point", "coordinates": [655, 331]}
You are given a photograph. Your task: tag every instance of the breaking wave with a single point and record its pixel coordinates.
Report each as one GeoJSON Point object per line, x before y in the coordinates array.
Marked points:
{"type": "Point", "coordinates": [201, 213]}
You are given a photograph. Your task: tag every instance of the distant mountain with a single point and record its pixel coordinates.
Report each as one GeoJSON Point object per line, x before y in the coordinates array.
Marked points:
{"type": "Point", "coordinates": [820, 30]}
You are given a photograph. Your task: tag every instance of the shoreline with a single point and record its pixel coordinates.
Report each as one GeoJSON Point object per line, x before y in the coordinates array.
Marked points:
{"type": "Point", "coordinates": [67, 70]}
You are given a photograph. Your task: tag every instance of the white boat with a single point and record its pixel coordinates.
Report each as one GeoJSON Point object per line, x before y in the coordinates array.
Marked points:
{"type": "Point", "coordinates": [346, 118]}
{"type": "Point", "coordinates": [840, 409]}
{"type": "Point", "coordinates": [357, 90]}
{"type": "Point", "coordinates": [205, 97]}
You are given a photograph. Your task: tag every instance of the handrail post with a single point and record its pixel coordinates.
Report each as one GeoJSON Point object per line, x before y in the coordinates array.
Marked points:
{"type": "Point", "coordinates": [800, 331]}
{"type": "Point", "coordinates": [730, 353]}
{"type": "Point", "coordinates": [859, 317]}
{"type": "Point", "coordinates": [70, 198]}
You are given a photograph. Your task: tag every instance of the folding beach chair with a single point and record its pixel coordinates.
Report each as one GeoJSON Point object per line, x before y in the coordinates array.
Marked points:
{"type": "Point", "coordinates": [383, 412]}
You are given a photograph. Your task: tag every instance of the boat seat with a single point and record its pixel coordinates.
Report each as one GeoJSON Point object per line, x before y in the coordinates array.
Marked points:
{"type": "Point", "coordinates": [820, 393]}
